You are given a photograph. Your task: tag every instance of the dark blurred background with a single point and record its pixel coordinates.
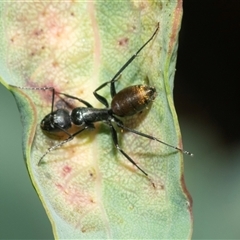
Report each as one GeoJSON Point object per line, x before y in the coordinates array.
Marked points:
{"type": "Point", "coordinates": [207, 101]}
{"type": "Point", "coordinates": [206, 98]}
{"type": "Point", "coordinates": [208, 64]}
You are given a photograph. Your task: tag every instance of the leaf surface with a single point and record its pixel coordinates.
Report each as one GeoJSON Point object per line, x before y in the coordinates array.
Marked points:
{"type": "Point", "coordinates": [89, 189]}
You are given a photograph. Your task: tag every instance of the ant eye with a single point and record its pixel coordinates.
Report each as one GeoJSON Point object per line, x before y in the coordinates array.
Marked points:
{"type": "Point", "coordinates": [42, 124]}
{"type": "Point", "coordinates": [46, 123]}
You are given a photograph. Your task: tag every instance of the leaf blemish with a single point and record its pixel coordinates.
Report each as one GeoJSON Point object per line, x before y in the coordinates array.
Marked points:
{"type": "Point", "coordinates": [59, 186]}
{"type": "Point", "coordinates": [66, 170]}
{"type": "Point", "coordinates": [55, 63]}
{"type": "Point", "coordinates": [38, 32]}
{"type": "Point", "coordinates": [123, 42]}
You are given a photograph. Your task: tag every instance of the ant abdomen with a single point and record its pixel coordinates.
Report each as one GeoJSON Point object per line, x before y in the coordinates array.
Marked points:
{"type": "Point", "coordinates": [132, 100]}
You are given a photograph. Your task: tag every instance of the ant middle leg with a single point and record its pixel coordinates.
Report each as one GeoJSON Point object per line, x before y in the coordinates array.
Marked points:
{"type": "Point", "coordinates": [79, 99]}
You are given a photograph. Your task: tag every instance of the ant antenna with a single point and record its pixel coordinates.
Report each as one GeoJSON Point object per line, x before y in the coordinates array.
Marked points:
{"type": "Point", "coordinates": [33, 88]}
{"type": "Point", "coordinates": [40, 88]}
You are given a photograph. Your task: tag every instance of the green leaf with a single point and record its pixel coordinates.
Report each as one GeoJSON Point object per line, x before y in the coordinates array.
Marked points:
{"type": "Point", "coordinates": [88, 188]}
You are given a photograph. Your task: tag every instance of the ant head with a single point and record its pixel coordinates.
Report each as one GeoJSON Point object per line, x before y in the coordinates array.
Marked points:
{"type": "Point", "coordinates": [56, 121]}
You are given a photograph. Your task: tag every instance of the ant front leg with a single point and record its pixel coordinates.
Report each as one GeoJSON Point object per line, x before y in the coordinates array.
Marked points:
{"type": "Point", "coordinates": [71, 137]}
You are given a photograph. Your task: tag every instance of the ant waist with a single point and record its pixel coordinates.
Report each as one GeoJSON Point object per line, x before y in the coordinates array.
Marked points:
{"type": "Point", "coordinates": [84, 115]}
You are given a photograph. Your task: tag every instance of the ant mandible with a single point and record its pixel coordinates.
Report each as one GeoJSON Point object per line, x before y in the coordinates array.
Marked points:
{"type": "Point", "coordinates": [128, 102]}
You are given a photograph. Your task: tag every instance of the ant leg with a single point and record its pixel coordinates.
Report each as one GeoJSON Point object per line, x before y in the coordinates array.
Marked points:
{"type": "Point", "coordinates": [112, 86]}
{"type": "Point", "coordinates": [79, 99]}
{"type": "Point", "coordinates": [115, 141]}
{"type": "Point", "coordinates": [100, 98]}
{"type": "Point", "coordinates": [116, 76]}
{"type": "Point", "coordinates": [119, 124]}
{"type": "Point", "coordinates": [71, 136]}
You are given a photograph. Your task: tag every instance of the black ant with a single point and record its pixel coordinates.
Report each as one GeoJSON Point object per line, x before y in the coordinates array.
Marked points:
{"type": "Point", "coordinates": [128, 102]}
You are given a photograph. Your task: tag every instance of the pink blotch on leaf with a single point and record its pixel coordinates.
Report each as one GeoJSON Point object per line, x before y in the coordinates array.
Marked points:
{"type": "Point", "coordinates": [66, 170]}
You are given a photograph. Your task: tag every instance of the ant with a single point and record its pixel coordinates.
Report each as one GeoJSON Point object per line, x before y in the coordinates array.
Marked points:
{"type": "Point", "coordinates": [128, 102]}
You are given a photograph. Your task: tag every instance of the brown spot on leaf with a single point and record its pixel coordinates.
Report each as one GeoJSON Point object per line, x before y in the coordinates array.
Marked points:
{"type": "Point", "coordinates": [33, 53]}
{"type": "Point", "coordinates": [123, 42]}
{"type": "Point", "coordinates": [55, 64]}
{"type": "Point", "coordinates": [38, 32]}
{"type": "Point", "coordinates": [187, 194]}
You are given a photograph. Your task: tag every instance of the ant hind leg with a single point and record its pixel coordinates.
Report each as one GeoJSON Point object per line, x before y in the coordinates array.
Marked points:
{"type": "Point", "coordinates": [115, 141]}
